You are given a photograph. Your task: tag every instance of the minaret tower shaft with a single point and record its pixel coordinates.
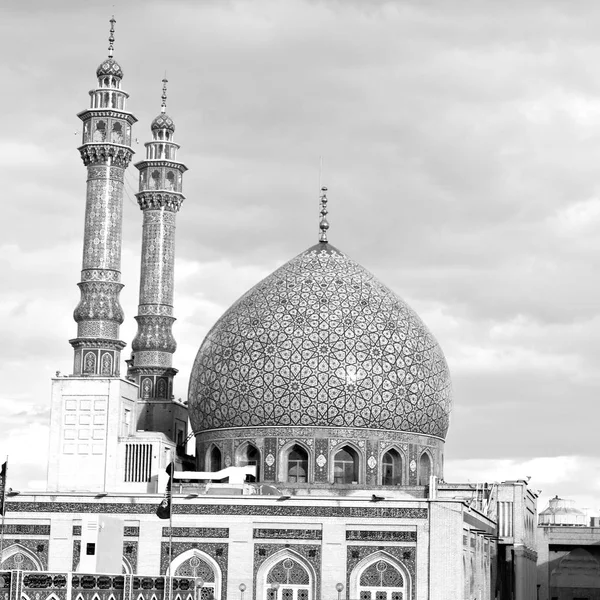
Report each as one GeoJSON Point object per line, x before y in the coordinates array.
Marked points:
{"type": "Point", "coordinates": [160, 198]}
{"type": "Point", "coordinates": [106, 152]}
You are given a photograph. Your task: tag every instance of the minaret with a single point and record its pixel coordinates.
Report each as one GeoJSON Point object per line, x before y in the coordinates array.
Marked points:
{"type": "Point", "coordinates": [160, 199]}
{"type": "Point", "coordinates": [91, 410]}
{"type": "Point", "coordinates": [106, 152]}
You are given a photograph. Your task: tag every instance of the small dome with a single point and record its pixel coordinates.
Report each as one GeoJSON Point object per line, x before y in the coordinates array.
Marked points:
{"type": "Point", "coordinates": [321, 343]}
{"type": "Point", "coordinates": [110, 67]}
{"type": "Point", "coordinates": [163, 121]}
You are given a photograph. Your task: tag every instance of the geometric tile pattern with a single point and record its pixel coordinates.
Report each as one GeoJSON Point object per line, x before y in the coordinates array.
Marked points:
{"type": "Point", "coordinates": [321, 342]}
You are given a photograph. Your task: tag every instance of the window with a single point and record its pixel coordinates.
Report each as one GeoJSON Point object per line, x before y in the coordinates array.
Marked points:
{"type": "Point", "coordinates": [126, 425]}
{"type": "Point", "coordinates": [117, 133]}
{"type": "Point", "coordinates": [250, 456]}
{"type": "Point", "coordinates": [155, 180]}
{"type": "Point", "coordinates": [424, 469]}
{"type": "Point", "coordinates": [391, 468]}
{"type": "Point", "coordinates": [170, 180]}
{"type": "Point", "coordinates": [215, 459]}
{"type": "Point", "coordinates": [345, 466]}
{"type": "Point", "coordinates": [90, 549]}
{"type": "Point", "coordinates": [100, 132]}
{"type": "Point", "coordinates": [297, 465]}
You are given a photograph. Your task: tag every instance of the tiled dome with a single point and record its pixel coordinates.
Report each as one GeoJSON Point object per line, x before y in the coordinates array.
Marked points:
{"type": "Point", "coordinates": [321, 343]}
{"type": "Point", "coordinates": [163, 121]}
{"type": "Point", "coordinates": [110, 67]}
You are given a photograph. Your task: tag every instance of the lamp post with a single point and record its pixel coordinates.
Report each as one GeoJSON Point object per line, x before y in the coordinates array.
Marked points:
{"type": "Point", "coordinates": [198, 584]}
{"type": "Point", "coordinates": [275, 586]}
{"type": "Point", "coordinates": [242, 590]}
{"type": "Point", "coordinates": [339, 588]}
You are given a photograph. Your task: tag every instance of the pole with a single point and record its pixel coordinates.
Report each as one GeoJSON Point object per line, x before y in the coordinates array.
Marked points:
{"type": "Point", "coordinates": [3, 510]}
{"type": "Point", "coordinates": [172, 507]}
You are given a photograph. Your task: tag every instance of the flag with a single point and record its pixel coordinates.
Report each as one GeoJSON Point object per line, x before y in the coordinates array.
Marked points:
{"type": "Point", "coordinates": [3, 487]}
{"type": "Point", "coordinates": [163, 511]}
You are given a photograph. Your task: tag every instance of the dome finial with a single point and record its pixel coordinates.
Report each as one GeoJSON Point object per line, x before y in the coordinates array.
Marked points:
{"type": "Point", "coordinates": [163, 105]}
{"type": "Point", "coordinates": [111, 37]}
{"type": "Point", "coordinates": [323, 224]}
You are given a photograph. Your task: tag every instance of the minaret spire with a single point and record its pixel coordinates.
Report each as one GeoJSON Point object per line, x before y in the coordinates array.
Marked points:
{"type": "Point", "coordinates": [323, 223]}
{"type": "Point", "coordinates": [111, 37]}
{"type": "Point", "coordinates": [106, 152]}
{"type": "Point", "coordinates": [163, 104]}
{"type": "Point", "coordinates": [160, 198]}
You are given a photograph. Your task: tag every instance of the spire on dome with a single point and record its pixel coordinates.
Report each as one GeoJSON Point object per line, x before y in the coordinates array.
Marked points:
{"type": "Point", "coordinates": [323, 224]}
{"type": "Point", "coordinates": [111, 37]}
{"type": "Point", "coordinates": [163, 104]}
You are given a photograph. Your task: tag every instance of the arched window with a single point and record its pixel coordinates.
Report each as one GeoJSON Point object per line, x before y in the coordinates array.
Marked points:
{"type": "Point", "coordinates": [345, 466]}
{"type": "Point", "coordinates": [297, 465]}
{"type": "Point", "coordinates": [382, 580]}
{"type": "Point", "coordinates": [100, 132]}
{"type": "Point", "coordinates": [155, 180]}
{"type": "Point", "coordinates": [288, 580]}
{"type": "Point", "coordinates": [250, 456]}
{"type": "Point", "coordinates": [170, 180]}
{"type": "Point", "coordinates": [117, 133]}
{"type": "Point", "coordinates": [391, 466]}
{"type": "Point", "coordinates": [215, 459]}
{"type": "Point", "coordinates": [424, 469]}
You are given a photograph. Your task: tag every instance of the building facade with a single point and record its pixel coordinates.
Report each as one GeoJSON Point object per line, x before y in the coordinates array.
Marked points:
{"type": "Point", "coordinates": [320, 378]}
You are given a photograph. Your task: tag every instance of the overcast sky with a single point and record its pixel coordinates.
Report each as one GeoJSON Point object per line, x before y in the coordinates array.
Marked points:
{"type": "Point", "coordinates": [461, 148]}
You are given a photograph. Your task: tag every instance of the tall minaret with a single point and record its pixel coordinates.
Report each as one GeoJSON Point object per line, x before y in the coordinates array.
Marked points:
{"type": "Point", "coordinates": [92, 410]}
{"type": "Point", "coordinates": [160, 199]}
{"type": "Point", "coordinates": [106, 152]}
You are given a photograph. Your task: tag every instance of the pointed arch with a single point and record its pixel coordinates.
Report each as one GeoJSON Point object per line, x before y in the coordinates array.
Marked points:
{"type": "Point", "coordinates": [213, 458]}
{"type": "Point", "coordinates": [348, 467]}
{"type": "Point", "coordinates": [28, 560]}
{"type": "Point", "coordinates": [262, 585]}
{"type": "Point", "coordinates": [89, 363]}
{"type": "Point", "coordinates": [425, 467]}
{"type": "Point", "coordinates": [283, 463]}
{"type": "Point", "coordinates": [248, 454]}
{"type": "Point", "coordinates": [374, 559]}
{"type": "Point", "coordinates": [188, 555]}
{"type": "Point", "coordinates": [393, 466]}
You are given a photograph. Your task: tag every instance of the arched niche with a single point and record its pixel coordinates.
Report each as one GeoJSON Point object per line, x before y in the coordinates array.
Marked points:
{"type": "Point", "coordinates": [286, 575]}
{"type": "Point", "coordinates": [18, 557]}
{"type": "Point", "coordinates": [380, 576]}
{"type": "Point", "coordinates": [202, 568]}
{"type": "Point", "coordinates": [393, 465]}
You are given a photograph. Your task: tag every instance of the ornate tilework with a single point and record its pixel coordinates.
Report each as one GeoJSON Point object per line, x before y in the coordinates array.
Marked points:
{"type": "Point", "coordinates": [276, 510]}
{"type": "Point", "coordinates": [41, 530]}
{"type": "Point", "coordinates": [365, 535]}
{"type": "Point", "coordinates": [321, 342]}
{"type": "Point", "coordinates": [288, 534]}
{"type": "Point", "coordinates": [197, 532]}
{"type": "Point", "coordinates": [20, 560]}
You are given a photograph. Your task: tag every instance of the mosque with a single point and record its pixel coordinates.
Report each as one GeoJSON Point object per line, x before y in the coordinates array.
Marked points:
{"type": "Point", "coordinates": [319, 403]}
